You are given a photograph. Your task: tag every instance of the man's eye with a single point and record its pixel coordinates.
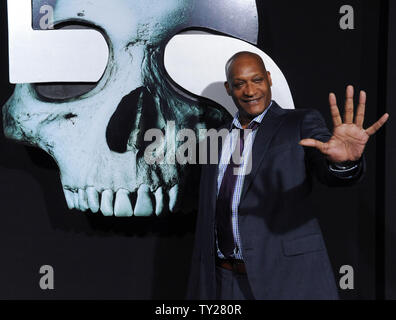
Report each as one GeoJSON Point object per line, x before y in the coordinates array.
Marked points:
{"type": "Point", "coordinates": [238, 85]}
{"type": "Point", "coordinates": [258, 80]}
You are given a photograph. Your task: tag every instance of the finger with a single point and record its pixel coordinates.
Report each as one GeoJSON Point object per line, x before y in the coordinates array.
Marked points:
{"type": "Point", "coordinates": [313, 143]}
{"type": "Point", "coordinates": [374, 128]}
{"type": "Point", "coordinates": [348, 113]}
{"type": "Point", "coordinates": [360, 109]}
{"type": "Point", "coordinates": [335, 113]}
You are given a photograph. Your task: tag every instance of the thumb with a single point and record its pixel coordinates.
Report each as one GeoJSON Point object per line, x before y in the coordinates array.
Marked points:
{"type": "Point", "coordinates": [312, 143]}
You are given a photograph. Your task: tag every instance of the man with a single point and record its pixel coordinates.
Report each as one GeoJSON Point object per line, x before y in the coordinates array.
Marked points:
{"type": "Point", "coordinates": [256, 236]}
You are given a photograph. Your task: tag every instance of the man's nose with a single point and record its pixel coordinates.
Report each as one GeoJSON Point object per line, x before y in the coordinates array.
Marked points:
{"type": "Point", "coordinates": [249, 90]}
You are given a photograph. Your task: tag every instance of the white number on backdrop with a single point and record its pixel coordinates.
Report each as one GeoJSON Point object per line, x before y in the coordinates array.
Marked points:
{"type": "Point", "coordinates": [52, 55]}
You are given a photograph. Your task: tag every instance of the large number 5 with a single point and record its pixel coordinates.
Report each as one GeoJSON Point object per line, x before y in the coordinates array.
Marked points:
{"type": "Point", "coordinates": [52, 55]}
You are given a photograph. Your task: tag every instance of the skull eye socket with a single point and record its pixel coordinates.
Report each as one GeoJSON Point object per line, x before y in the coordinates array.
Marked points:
{"type": "Point", "coordinates": [60, 91]}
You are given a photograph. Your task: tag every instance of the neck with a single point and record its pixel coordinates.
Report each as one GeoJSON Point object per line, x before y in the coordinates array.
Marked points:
{"type": "Point", "coordinates": [245, 120]}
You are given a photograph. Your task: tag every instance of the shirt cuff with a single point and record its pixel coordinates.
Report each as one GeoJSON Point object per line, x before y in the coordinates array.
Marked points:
{"type": "Point", "coordinates": [345, 170]}
{"type": "Point", "coordinates": [343, 166]}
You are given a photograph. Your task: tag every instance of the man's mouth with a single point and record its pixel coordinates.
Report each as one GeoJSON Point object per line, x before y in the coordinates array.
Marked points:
{"type": "Point", "coordinates": [252, 101]}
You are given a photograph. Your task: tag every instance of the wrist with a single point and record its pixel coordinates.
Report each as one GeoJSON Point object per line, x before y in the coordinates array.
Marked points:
{"type": "Point", "coordinates": [347, 163]}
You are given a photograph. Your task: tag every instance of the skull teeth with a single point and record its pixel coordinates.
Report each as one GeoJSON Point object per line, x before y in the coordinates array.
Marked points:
{"type": "Point", "coordinates": [143, 207]}
{"type": "Point", "coordinates": [173, 197]}
{"type": "Point", "coordinates": [119, 203]}
{"type": "Point", "coordinates": [106, 204]}
{"type": "Point", "coordinates": [122, 205]}
{"type": "Point", "coordinates": [159, 201]}
{"type": "Point", "coordinates": [93, 199]}
{"type": "Point", "coordinates": [82, 200]}
{"type": "Point", "coordinates": [69, 198]}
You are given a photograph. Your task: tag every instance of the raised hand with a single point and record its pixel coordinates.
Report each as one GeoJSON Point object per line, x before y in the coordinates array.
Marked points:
{"type": "Point", "coordinates": [349, 138]}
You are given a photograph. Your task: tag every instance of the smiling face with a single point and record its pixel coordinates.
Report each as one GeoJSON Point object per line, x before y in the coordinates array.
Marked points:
{"type": "Point", "coordinates": [249, 85]}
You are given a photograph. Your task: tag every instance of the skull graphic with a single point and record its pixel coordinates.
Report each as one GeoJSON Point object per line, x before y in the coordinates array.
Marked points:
{"type": "Point", "coordinates": [94, 132]}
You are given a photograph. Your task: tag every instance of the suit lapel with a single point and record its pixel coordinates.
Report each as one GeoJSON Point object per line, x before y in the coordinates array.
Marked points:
{"type": "Point", "coordinates": [267, 129]}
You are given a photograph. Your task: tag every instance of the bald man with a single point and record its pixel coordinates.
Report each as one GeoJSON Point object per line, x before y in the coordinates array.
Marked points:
{"type": "Point", "coordinates": [256, 235]}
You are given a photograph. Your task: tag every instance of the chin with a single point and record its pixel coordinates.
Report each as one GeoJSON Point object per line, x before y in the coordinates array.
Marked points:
{"type": "Point", "coordinates": [256, 111]}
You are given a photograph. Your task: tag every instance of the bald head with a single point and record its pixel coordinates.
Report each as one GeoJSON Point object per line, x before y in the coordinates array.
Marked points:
{"type": "Point", "coordinates": [249, 85]}
{"type": "Point", "coordinates": [242, 55]}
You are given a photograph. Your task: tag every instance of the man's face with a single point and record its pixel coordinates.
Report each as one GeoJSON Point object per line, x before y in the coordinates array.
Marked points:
{"type": "Point", "coordinates": [249, 85]}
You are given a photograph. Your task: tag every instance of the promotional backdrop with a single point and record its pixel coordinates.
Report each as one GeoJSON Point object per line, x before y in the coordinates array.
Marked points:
{"type": "Point", "coordinates": [44, 168]}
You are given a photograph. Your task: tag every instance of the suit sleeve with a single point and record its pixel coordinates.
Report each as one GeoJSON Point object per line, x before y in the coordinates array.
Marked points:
{"type": "Point", "coordinates": [314, 126]}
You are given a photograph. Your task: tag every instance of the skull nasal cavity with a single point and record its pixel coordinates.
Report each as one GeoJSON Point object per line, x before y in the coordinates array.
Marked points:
{"type": "Point", "coordinates": [130, 120]}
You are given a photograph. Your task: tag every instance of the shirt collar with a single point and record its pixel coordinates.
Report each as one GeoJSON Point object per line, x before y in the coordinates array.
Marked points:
{"type": "Point", "coordinates": [258, 119]}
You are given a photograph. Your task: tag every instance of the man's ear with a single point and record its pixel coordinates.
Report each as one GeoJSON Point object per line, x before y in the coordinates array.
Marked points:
{"type": "Point", "coordinates": [269, 78]}
{"type": "Point", "coordinates": [227, 86]}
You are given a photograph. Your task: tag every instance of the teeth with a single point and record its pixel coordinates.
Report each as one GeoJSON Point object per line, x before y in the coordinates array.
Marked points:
{"type": "Point", "coordinates": [159, 201]}
{"type": "Point", "coordinates": [82, 200]}
{"type": "Point", "coordinates": [173, 197]}
{"type": "Point", "coordinates": [143, 206]}
{"type": "Point", "coordinates": [106, 205]}
{"type": "Point", "coordinates": [75, 200]}
{"type": "Point", "coordinates": [69, 198]}
{"type": "Point", "coordinates": [122, 206]}
{"type": "Point", "coordinates": [93, 199]}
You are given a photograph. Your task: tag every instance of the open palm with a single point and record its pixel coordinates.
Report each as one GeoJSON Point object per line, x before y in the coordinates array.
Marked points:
{"type": "Point", "coordinates": [349, 138]}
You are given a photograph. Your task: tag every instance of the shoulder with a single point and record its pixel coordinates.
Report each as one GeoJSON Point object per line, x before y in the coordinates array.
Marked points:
{"type": "Point", "coordinates": [300, 115]}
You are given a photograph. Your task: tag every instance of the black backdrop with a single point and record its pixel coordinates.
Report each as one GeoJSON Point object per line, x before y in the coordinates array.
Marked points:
{"type": "Point", "coordinates": [147, 258]}
{"type": "Point", "coordinates": [389, 219]}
